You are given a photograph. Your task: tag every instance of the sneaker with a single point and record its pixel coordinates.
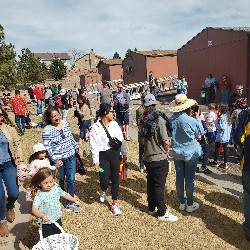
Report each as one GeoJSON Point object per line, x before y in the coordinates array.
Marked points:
{"type": "Point", "coordinates": [193, 207]}
{"type": "Point", "coordinates": [115, 209]}
{"type": "Point", "coordinates": [153, 212]}
{"type": "Point", "coordinates": [10, 214]}
{"type": "Point", "coordinates": [73, 208]}
{"type": "Point", "coordinates": [213, 164]}
{"type": "Point", "coordinates": [168, 217]}
{"type": "Point", "coordinates": [223, 166]}
{"type": "Point", "coordinates": [183, 206]}
{"type": "Point", "coordinates": [103, 197]}
{"type": "Point", "coordinates": [206, 170]}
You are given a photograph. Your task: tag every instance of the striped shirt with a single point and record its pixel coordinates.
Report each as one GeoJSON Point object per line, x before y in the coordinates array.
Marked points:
{"type": "Point", "coordinates": [59, 143]}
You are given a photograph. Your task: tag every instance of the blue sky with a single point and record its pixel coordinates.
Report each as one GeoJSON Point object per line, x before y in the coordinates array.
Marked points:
{"type": "Point", "coordinates": [108, 26]}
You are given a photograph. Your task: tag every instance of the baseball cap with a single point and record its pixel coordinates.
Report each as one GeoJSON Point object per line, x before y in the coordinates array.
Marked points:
{"type": "Point", "coordinates": [149, 100]}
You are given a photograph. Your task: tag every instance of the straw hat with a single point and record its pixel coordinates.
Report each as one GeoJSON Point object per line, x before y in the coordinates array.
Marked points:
{"type": "Point", "coordinates": [181, 103]}
{"type": "Point", "coordinates": [62, 92]}
{"type": "Point", "coordinates": [38, 148]}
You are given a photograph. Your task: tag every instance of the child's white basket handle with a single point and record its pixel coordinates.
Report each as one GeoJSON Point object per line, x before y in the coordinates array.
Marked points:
{"type": "Point", "coordinates": [52, 221]}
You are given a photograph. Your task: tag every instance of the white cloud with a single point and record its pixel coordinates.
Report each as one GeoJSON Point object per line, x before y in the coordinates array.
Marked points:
{"type": "Point", "coordinates": [112, 25]}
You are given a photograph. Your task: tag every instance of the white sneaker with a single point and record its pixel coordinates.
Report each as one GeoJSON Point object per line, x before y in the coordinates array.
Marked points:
{"type": "Point", "coordinates": [103, 197]}
{"type": "Point", "coordinates": [168, 217]}
{"type": "Point", "coordinates": [183, 206]}
{"type": "Point", "coordinates": [192, 208]}
{"type": "Point", "coordinates": [115, 209]}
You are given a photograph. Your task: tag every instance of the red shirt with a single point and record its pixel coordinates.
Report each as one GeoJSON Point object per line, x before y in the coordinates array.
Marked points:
{"type": "Point", "coordinates": [18, 105]}
{"type": "Point", "coordinates": [38, 93]}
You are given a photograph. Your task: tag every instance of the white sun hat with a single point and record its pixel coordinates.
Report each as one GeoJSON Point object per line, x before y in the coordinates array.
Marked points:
{"type": "Point", "coordinates": [38, 147]}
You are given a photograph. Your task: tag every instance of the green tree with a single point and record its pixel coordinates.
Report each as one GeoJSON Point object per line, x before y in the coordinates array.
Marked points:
{"type": "Point", "coordinates": [8, 64]}
{"type": "Point", "coordinates": [135, 49]}
{"type": "Point", "coordinates": [116, 56]}
{"type": "Point", "coordinates": [128, 53]}
{"type": "Point", "coordinates": [30, 68]}
{"type": "Point", "coordinates": [57, 69]}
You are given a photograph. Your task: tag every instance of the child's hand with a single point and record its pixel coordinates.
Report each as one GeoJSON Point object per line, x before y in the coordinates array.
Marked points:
{"type": "Point", "coordinates": [45, 218]}
{"type": "Point", "coordinates": [77, 203]}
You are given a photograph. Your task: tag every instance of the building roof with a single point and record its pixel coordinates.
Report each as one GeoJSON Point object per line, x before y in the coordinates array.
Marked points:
{"type": "Point", "coordinates": [51, 56]}
{"type": "Point", "coordinates": [154, 53]}
{"type": "Point", "coordinates": [236, 29]}
{"type": "Point", "coordinates": [112, 61]}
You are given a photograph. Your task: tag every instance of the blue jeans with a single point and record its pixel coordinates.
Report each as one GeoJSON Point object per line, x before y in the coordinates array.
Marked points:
{"type": "Point", "coordinates": [68, 169]}
{"type": "Point", "coordinates": [19, 118]}
{"type": "Point", "coordinates": [8, 175]}
{"type": "Point", "coordinates": [185, 171]}
{"type": "Point", "coordinates": [84, 127]}
{"type": "Point", "coordinates": [205, 150]}
{"type": "Point", "coordinates": [246, 201]}
{"type": "Point", "coordinates": [224, 95]}
{"type": "Point", "coordinates": [39, 107]}
{"type": "Point", "coordinates": [141, 150]}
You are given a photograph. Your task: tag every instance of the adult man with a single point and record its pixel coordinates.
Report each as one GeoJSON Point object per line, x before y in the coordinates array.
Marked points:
{"type": "Point", "coordinates": [121, 106]}
{"type": "Point", "coordinates": [39, 98]}
{"type": "Point", "coordinates": [105, 94]}
{"type": "Point", "coordinates": [19, 106]}
{"type": "Point", "coordinates": [235, 96]}
{"type": "Point", "coordinates": [210, 87]}
{"type": "Point", "coordinates": [242, 137]}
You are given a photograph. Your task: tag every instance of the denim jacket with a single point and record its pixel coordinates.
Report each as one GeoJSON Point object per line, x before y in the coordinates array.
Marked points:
{"type": "Point", "coordinates": [223, 129]}
{"type": "Point", "coordinates": [184, 143]}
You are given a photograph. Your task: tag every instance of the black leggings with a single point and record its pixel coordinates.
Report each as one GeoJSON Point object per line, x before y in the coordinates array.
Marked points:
{"type": "Point", "coordinates": [110, 163]}
{"type": "Point", "coordinates": [50, 229]}
{"type": "Point", "coordinates": [216, 156]}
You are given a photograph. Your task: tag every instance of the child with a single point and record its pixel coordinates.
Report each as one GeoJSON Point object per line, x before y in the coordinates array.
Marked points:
{"type": "Point", "coordinates": [46, 203]}
{"type": "Point", "coordinates": [37, 160]}
{"type": "Point", "coordinates": [211, 129]}
{"type": "Point", "coordinates": [202, 140]}
{"type": "Point", "coordinates": [224, 127]}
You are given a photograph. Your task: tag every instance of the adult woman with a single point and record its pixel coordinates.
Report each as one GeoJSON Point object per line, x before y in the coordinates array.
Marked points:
{"type": "Point", "coordinates": [105, 158]}
{"type": "Point", "coordinates": [153, 128]}
{"type": "Point", "coordinates": [61, 146]}
{"type": "Point", "coordinates": [84, 112]}
{"type": "Point", "coordinates": [186, 148]}
{"type": "Point", "coordinates": [10, 158]}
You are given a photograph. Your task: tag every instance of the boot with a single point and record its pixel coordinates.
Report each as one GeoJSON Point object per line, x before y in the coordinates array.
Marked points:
{"type": "Point", "coordinates": [4, 230]}
{"type": "Point", "coordinates": [10, 214]}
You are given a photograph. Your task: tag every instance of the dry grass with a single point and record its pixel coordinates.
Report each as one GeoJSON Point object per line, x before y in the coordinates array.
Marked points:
{"type": "Point", "coordinates": [216, 225]}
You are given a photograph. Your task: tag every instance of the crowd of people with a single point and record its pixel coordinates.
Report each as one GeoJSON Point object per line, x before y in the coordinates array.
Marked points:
{"type": "Point", "coordinates": [189, 132]}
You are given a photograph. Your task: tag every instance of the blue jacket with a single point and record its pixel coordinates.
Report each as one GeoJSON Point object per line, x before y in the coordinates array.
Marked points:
{"type": "Point", "coordinates": [223, 129]}
{"type": "Point", "coordinates": [185, 129]}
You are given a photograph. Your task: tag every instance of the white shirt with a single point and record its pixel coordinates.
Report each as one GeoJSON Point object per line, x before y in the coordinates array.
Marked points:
{"type": "Point", "coordinates": [210, 122]}
{"type": "Point", "coordinates": [99, 140]}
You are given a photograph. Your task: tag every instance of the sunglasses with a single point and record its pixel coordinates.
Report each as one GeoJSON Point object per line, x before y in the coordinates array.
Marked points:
{"type": "Point", "coordinates": [62, 134]}
{"type": "Point", "coordinates": [112, 111]}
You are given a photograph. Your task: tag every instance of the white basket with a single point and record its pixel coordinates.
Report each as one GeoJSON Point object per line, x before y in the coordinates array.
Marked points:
{"type": "Point", "coordinates": [62, 241]}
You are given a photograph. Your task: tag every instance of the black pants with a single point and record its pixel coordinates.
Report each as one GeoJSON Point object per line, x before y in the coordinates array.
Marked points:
{"type": "Point", "coordinates": [110, 163]}
{"type": "Point", "coordinates": [50, 229]}
{"type": "Point", "coordinates": [157, 172]}
{"type": "Point", "coordinates": [216, 156]}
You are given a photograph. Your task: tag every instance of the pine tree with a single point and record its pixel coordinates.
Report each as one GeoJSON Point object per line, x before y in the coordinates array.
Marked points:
{"type": "Point", "coordinates": [116, 56]}
{"type": "Point", "coordinates": [57, 69]}
{"type": "Point", "coordinates": [128, 53]}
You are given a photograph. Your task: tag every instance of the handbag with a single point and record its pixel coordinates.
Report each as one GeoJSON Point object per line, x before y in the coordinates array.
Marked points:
{"type": "Point", "coordinates": [114, 143]}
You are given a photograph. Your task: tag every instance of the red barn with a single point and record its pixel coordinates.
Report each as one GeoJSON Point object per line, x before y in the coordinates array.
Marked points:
{"type": "Point", "coordinates": [217, 51]}
{"type": "Point", "coordinates": [110, 69]}
{"type": "Point", "coordinates": [138, 64]}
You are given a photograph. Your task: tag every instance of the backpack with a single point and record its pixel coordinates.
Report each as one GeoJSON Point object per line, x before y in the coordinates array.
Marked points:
{"type": "Point", "coordinates": [59, 101]}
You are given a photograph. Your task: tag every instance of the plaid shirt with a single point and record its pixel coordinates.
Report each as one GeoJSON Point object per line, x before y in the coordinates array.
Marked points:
{"type": "Point", "coordinates": [18, 104]}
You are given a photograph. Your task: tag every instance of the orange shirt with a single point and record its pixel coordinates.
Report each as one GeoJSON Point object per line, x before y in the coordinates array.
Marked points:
{"type": "Point", "coordinates": [18, 104]}
{"type": "Point", "coordinates": [225, 85]}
